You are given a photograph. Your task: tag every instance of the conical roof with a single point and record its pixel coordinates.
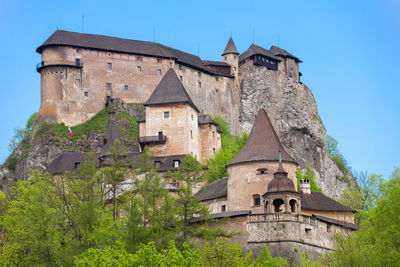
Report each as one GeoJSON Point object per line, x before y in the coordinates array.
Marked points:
{"type": "Point", "coordinates": [112, 132]}
{"type": "Point", "coordinates": [263, 143]}
{"type": "Point", "coordinates": [230, 48]}
{"type": "Point", "coordinates": [170, 90]}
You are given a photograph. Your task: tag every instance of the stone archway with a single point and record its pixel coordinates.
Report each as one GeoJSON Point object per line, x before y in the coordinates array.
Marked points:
{"type": "Point", "coordinates": [278, 205]}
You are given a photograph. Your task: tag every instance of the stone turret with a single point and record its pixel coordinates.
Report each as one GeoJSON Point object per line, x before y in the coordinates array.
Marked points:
{"type": "Point", "coordinates": [231, 56]}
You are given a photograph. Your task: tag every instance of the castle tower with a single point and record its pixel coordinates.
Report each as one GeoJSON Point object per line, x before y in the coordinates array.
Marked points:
{"type": "Point", "coordinates": [253, 167]}
{"type": "Point", "coordinates": [171, 125]}
{"type": "Point", "coordinates": [231, 56]}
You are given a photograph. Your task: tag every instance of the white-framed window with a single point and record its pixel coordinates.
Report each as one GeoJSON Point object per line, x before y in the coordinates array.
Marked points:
{"type": "Point", "coordinates": [176, 163]}
{"type": "Point", "coordinates": [166, 114]}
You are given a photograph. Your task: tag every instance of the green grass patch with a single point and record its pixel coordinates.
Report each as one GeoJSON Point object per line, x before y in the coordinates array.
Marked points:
{"type": "Point", "coordinates": [128, 132]}
{"type": "Point", "coordinates": [139, 108]}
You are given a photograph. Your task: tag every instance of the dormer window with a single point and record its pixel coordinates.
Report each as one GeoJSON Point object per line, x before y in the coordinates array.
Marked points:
{"type": "Point", "coordinates": [157, 163]}
{"type": "Point", "coordinates": [77, 165]}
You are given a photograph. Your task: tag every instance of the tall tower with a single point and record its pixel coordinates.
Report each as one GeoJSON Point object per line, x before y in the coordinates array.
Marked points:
{"type": "Point", "coordinates": [231, 56]}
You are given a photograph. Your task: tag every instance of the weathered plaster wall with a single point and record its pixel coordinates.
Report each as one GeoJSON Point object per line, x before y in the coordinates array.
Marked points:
{"type": "Point", "coordinates": [341, 216]}
{"type": "Point", "coordinates": [209, 141]}
{"type": "Point", "coordinates": [215, 205]}
{"type": "Point", "coordinates": [244, 182]}
{"type": "Point", "coordinates": [180, 128]}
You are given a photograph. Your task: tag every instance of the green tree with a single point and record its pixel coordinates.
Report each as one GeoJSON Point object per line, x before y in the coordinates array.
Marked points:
{"type": "Point", "coordinates": [362, 196]}
{"type": "Point", "coordinates": [230, 146]}
{"type": "Point", "coordinates": [32, 236]}
{"type": "Point", "coordinates": [377, 242]}
{"type": "Point", "coordinates": [21, 133]}
{"type": "Point", "coordinates": [309, 174]}
{"type": "Point", "coordinates": [336, 155]}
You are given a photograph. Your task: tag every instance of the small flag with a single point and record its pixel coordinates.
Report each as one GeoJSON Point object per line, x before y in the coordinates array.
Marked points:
{"type": "Point", "coordinates": [70, 132]}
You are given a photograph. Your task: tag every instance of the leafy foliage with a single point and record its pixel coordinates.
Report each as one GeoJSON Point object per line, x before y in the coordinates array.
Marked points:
{"type": "Point", "coordinates": [336, 155]}
{"type": "Point", "coordinates": [230, 146]}
{"type": "Point", "coordinates": [377, 242]}
{"type": "Point", "coordinates": [22, 133]}
{"type": "Point", "coordinates": [309, 174]}
{"type": "Point", "coordinates": [362, 196]}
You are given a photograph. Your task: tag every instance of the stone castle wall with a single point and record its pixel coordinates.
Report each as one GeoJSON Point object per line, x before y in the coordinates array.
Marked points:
{"type": "Point", "coordinates": [209, 141]}
{"type": "Point", "coordinates": [72, 94]}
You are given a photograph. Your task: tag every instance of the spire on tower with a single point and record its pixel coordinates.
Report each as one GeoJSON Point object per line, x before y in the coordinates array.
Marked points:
{"type": "Point", "coordinates": [230, 48]}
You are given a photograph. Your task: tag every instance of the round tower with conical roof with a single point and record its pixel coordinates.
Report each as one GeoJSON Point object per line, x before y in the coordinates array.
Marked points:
{"type": "Point", "coordinates": [253, 167]}
{"type": "Point", "coordinates": [231, 57]}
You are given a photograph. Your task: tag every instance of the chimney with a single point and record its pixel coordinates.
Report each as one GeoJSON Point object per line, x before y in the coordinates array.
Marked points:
{"type": "Point", "coordinates": [160, 136]}
{"type": "Point", "coordinates": [305, 186]}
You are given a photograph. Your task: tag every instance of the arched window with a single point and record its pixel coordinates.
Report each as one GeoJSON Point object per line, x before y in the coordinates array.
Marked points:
{"type": "Point", "coordinates": [292, 204]}
{"type": "Point", "coordinates": [256, 200]}
{"type": "Point", "coordinates": [278, 205]}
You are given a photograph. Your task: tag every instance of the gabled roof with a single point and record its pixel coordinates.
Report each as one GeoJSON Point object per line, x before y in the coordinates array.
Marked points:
{"type": "Point", "coordinates": [263, 143]}
{"type": "Point", "coordinates": [67, 161]}
{"type": "Point", "coordinates": [317, 201]}
{"type": "Point", "coordinates": [217, 189]}
{"type": "Point", "coordinates": [113, 44]}
{"type": "Point", "coordinates": [170, 90]}
{"type": "Point", "coordinates": [230, 48]}
{"type": "Point", "coordinates": [277, 51]}
{"type": "Point", "coordinates": [257, 50]}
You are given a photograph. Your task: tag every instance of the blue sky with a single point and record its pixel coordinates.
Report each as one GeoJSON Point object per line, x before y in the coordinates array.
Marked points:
{"type": "Point", "coordinates": [349, 50]}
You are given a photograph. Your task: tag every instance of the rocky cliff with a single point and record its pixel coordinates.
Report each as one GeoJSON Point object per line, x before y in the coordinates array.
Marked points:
{"type": "Point", "coordinates": [293, 111]}
{"type": "Point", "coordinates": [48, 140]}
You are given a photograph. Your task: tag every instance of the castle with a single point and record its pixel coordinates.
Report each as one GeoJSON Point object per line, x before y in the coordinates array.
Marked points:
{"type": "Point", "coordinates": [80, 73]}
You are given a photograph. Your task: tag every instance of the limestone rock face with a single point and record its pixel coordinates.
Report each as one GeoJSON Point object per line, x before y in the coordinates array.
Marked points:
{"type": "Point", "coordinates": [293, 111]}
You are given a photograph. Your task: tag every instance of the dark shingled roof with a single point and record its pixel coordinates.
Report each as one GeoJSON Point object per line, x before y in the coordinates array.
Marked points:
{"type": "Point", "coordinates": [256, 50]}
{"type": "Point", "coordinates": [263, 143]}
{"type": "Point", "coordinates": [216, 63]}
{"type": "Point", "coordinates": [167, 162]}
{"type": "Point", "coordinates": [113, 44]}
{"type": "Point", "coordinates": [206, 119]}
{"type": "Point", "coordinates": [170, 90]}
{"type": "Point", "coordinates": [319, 202]}
{"type": "Point", "coordinates": [217, 189]}
{"type": "Point", "coordinates": [112, 132]}
{"type": "Point", "coordinates": [230, 48]}
{"type": "Point", "coordinates": [337, 222]}
{"type": "Point", "coordinates": [226, 214]}
{"type": "Point", "coordinates": [67, 161]}
{"type": "Point", "coordinates": [277, 51]}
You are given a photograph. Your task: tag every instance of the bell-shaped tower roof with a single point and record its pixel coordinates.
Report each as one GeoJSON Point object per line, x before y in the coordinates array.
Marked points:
{"type": "Point", "coordinates": [230, 48]}
{"type": "Point", "coordinates": [263, 143]}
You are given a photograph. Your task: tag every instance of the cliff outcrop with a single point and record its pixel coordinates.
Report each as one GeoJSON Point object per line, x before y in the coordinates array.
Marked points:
{"type": "Point", "coordinates": [48, 140]}
{"type": "Point", "coordinates": [293, 111]}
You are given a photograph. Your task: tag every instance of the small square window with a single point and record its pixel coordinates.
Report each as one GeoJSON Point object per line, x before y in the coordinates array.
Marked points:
{"type": "Point", "coordinates": [109, 66]}
{"type": "Point", "coordinates": [77, 165]}
{"type": "Point", "coordinates": [157, 163]}
{"type": "Point", "coordinates": [217, 79]}
{"type": "Point", "coordinates": [139, 58]}
{"type": "Point", "coordinates": [159, 72]}
{"type": "Point", "coordinates": [256, 200]}
{"type": "Point", "coordinates": [86, 94]}
{"type": "Point", "coordinates": [138, 69]}
{"type": "Point", "coordinates": [77, 61]}
{"type": "Point", "coordinates": [234, 57]}
{"type": "Point", "coordinates": [192, 117]}
{"type": "Point", "coordinates": [166, 114]}
{"type": "Point", "coordinates": [199, 73]}
{"type": "Point", "coordinates": [181, 77]}
{"type": "Point", "coordinates": [77, 81]}
{"type": "Point", "coordinates": [225, 58]}
{"type": "Point", "coordinates": [158, 60]}
{"type": "Point", "coordinates": [234, 68]}
{"type": "Point", "coordinates": [223, 208]}
{"type": "Point", "coordinates": [126, 87]}
{"type": "Point", "coordinates": [199, 84]}
{"type": "Point", "coordinates": [216, 90]}
{"type": "Point", "coordinates": [214, 150]}
{"type": "Point", "coordinates": [108, 85]}
{"type": "Point", "coordinates": [213, 133]}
